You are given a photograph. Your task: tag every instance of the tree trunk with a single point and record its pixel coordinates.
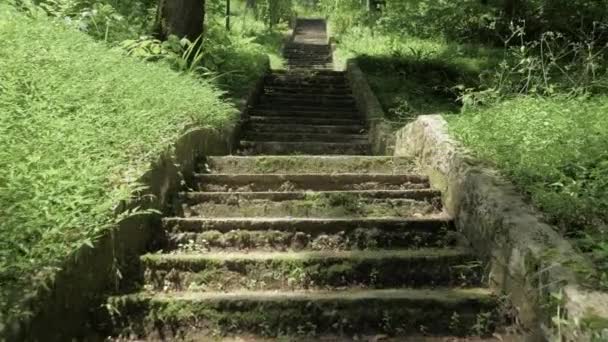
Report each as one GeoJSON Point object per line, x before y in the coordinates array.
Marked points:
{"type": "Point", "coordinates": [227, 15]}
{"type": "Point", "coordinates": [250, 4]}
{"type": "Point", "coordinates": [183, 18]}
{"type": "Point", "coordinates": [513, 8]}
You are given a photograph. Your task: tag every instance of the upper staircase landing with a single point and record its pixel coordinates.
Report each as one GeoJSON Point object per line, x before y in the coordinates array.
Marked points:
{"type": "Point", "coordinates": [310, 31]}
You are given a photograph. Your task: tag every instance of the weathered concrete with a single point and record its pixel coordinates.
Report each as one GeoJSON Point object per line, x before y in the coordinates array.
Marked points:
{"type": "Point", "coordinates": [530, 262]}
{"type": "Point", "coordinates": [381, 135]}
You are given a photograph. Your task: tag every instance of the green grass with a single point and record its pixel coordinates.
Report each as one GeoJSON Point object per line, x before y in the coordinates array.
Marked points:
{"type": "Point", "coordinates": [238, 56]}
{"type": "Point", "coordinates": [413, 76]}
{"type": "Point", "coordinates": [79, 123]}
{"type": "Point", "coordinates": [556, 151]}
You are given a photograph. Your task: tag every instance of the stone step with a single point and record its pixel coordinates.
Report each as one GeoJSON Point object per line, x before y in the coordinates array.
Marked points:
{"type": "Point", "coordinates": [234, 234]}
{"type": "Point", "coordinates": [336, 205]}
{"type": "Point", "coordinates": [307, 48]}
{"type": "Point", "coordinates": [309, 137]}
{"type": "Point", "coordinates": [303, 120]}
{"type": "Point", "coordinates": [388, 311]}
{"type": "Point", "coordinates": [192, 198]}
{"type": "Point", "coordinates": [249, 148]}
{"type": "Point", "coordinates": [302, 59]}
{"type": "Point", "coordinates": [307, 52]}
{"type": "Point", "coordinates": [309, 61]}
{"type": "Point", "coordinates": [312, 182]}
{"type": "Point", "coordinates": [314, 226]}
{"type": "Point", "coordinates": [303, 79]}
{"type": "Point", "coordinates": [313, 91]}
{"type": "Point", "coordinates": [335, 73]}
{"type": "Point", "coordinates": [321, 98]}
{"type": "Point", "coordinates": [294, 128]}
{"type": "Point", "coordinates": [325, 103]}
{"type": "Point", "coordinates": [260, 270]}
{"type": "Point", "coordinates": [297, 67]}
{"type": "Point", "coordinates": [304, 111]}
{"type": "Point", "coordinates": [352, 239]}
{"type": "Point", "coordinates": [312, 164]}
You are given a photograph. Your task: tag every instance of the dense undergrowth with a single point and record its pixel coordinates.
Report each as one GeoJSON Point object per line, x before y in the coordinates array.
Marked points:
{"type": "Point", "coordinates": [79, 123]}
{"type": "Point", "coordinates": [525, 86]}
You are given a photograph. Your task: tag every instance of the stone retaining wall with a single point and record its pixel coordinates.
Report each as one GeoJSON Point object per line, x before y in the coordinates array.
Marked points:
{"type": "Point", "coordinates": [380, 132]}
{"type": "Point", "coordinates": [533, 265]}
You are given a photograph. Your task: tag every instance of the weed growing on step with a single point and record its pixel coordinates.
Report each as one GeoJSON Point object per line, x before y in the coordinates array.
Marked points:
{"type": "Point", "coordinates": [79, 124]}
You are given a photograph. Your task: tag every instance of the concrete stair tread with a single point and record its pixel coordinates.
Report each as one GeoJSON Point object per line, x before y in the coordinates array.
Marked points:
{"type": "Point", "coordinates": [310, 181]}
{"type": "Point", "coordinates": [299, 128]}
{"type": "Point", "coordinates": [310, 96]}
{"type": "Point", "coordinates": [434, 222]}
{"type": "Point", "coordinates": [415, 194]}
{"type": "Point", "coordinates": [447, 295]}
{"type": "Point", "coordinates": [343, 112]}
{"type": "Point", "coordinates": [303, 120]}
{"type": "Point", "coordinates": [234, 270]}
{"type": "Point", "coordinates": [310, 255]}
{"type": "Point", "coordinates": [289, 148]}
{"type": "Point", "coordinates": [313, 164]}
{"type": "Point", "coordinates": [311, 137]}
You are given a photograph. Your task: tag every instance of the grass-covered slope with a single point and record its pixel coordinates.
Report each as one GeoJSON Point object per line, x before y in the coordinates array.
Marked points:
{"type": "Point", "coordinates": [556, 150]}
{"type": "Point", "coordinates": [78, 124]}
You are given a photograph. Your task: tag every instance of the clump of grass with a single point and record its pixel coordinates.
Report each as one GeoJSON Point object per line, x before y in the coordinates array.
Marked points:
{"type": "Point", "coordinates": [79, 123]}
{"type": "Point", "coordinates": [556, 150]}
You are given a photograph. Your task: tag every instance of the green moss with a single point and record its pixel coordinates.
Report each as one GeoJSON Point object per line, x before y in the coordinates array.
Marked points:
{"type": "Point", "coordinates": [294, 317]}
{"type": "Point", "coordinates": [310, 270]}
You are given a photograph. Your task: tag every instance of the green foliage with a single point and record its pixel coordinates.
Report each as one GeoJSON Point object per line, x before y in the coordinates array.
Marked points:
{"type": "Point", "coordinates": [109, 20]}
{"type": "Point", "coordinates": [555, 150]}
{"type": "Point", "coordinates": [273, 12]}
{"type": "Point", "coordinates": [79, 123]}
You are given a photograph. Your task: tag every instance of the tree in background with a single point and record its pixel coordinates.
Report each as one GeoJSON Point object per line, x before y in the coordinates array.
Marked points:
{"type": "Point", "coordinates": [182, 18]}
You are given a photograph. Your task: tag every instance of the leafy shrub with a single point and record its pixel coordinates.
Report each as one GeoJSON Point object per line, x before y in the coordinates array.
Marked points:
{"type": "Point", "coordinates": [79, 123]}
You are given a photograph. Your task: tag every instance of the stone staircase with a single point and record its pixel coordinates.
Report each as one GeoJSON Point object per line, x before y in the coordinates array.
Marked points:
{"type": "Point", "coordinates": [303, 236]}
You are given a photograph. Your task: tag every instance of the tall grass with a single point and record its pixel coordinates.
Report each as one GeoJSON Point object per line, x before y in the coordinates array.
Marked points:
{"type": "Point", "coordinates": [78, 124]}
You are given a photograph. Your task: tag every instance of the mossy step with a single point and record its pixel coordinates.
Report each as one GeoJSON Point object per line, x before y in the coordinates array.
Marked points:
{"type": "Point", "coordinates": [319, 129]}
{"type": "Point", "coordinates": [312, 73]}
{"type": "Point", "coordinates": [248, 148]}
{"type": "Point", "coordinates": [251, 135]}
{"type": "Point", "coordinates": [255, 270]}
{"type": "Point", "coordinates": [304, 120]}
{"type": "Point", "coordinates": [271, 313]}
{"type": "Point", "coordinates": [300, 80]}
{"type": "Point", "coordinates": [310, 164]}
{"type": "Point", "coordinates": [311, 96]}
{"type": "Point", "coordinates": [308, 102]}
{"type": "Point", "coordinates": [312, 65]}
{"type": "Point", "coordinates": [315, 206]}
{"type": "Point", "coordinates": [314, 226]}
{"type": "Point", "coordinates": [305, 111]}
{"type": "Point", "coordinates": [313, 91]}
{"type": "Point", "coordinates": [312, 181]}
{"type": "Point", "coordinates": [192, 198]}
{"type": "Point", "coordinates": [277, 240]}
